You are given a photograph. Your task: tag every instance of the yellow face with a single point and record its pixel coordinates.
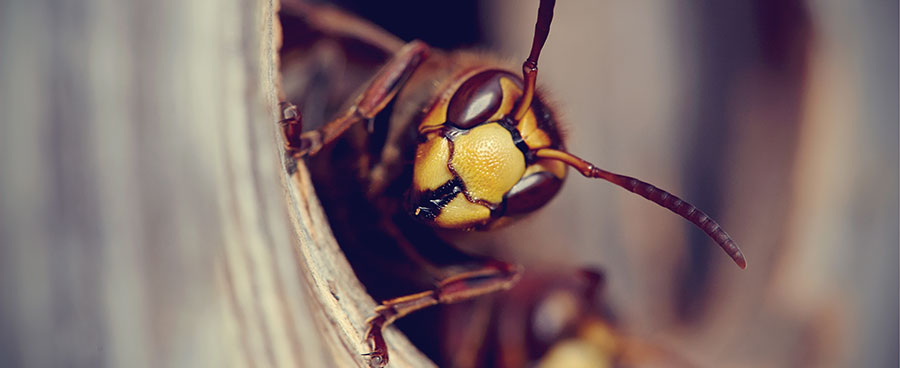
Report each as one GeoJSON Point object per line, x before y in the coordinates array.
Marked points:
{"type": "Point", "coordinates": [474, 156]}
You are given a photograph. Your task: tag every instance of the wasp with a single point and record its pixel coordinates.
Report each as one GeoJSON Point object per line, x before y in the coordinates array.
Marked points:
{"type": "Point", "coordinates": [434, 142]}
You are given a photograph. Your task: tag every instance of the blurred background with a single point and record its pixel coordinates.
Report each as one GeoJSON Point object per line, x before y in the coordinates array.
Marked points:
{"type": "Point", "coordinates": [778, 118]}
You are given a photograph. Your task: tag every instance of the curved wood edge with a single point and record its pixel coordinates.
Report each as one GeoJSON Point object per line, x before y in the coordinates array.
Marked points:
{"type": "Point", "coordinates": [337, 300]}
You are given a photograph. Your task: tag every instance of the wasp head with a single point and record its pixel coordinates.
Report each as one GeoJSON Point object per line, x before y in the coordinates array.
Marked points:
{"type": "Point", "coordinates": [492, 151]}
{"type": "Point", "coordinates": [475, 167]}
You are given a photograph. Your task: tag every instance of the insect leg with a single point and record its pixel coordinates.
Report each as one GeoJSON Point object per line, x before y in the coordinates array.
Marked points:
{"type": "Point", "coordinates": [492, 277]}
{"type": "Point", "coordinates": [337, 24]}
{"type": "Point", "coordinates": [378, 93]}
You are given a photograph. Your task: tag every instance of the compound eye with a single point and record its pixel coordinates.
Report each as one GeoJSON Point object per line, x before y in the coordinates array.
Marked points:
{"type": "Point", "coordinates": [476, 100]}
{"type": "Point", "coordinates": [532, 192]}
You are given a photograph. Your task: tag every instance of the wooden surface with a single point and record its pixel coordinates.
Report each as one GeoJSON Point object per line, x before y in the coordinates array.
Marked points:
{"type": "Point", "coordinates": [146, 219]}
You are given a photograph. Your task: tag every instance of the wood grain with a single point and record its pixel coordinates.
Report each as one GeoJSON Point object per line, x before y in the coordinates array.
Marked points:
{"type": "Point", "coordinates": [146, 219]}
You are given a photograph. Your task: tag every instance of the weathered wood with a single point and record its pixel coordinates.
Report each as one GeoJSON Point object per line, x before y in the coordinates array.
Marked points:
{"type": "Point", "coordinates": [146, 219]}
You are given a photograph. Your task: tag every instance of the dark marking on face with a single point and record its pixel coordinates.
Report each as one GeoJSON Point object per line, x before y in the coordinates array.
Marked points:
{"type": "Point", "coordinates": [427, 206]}
{"type": "Point", "coordinates": [511, 125]}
